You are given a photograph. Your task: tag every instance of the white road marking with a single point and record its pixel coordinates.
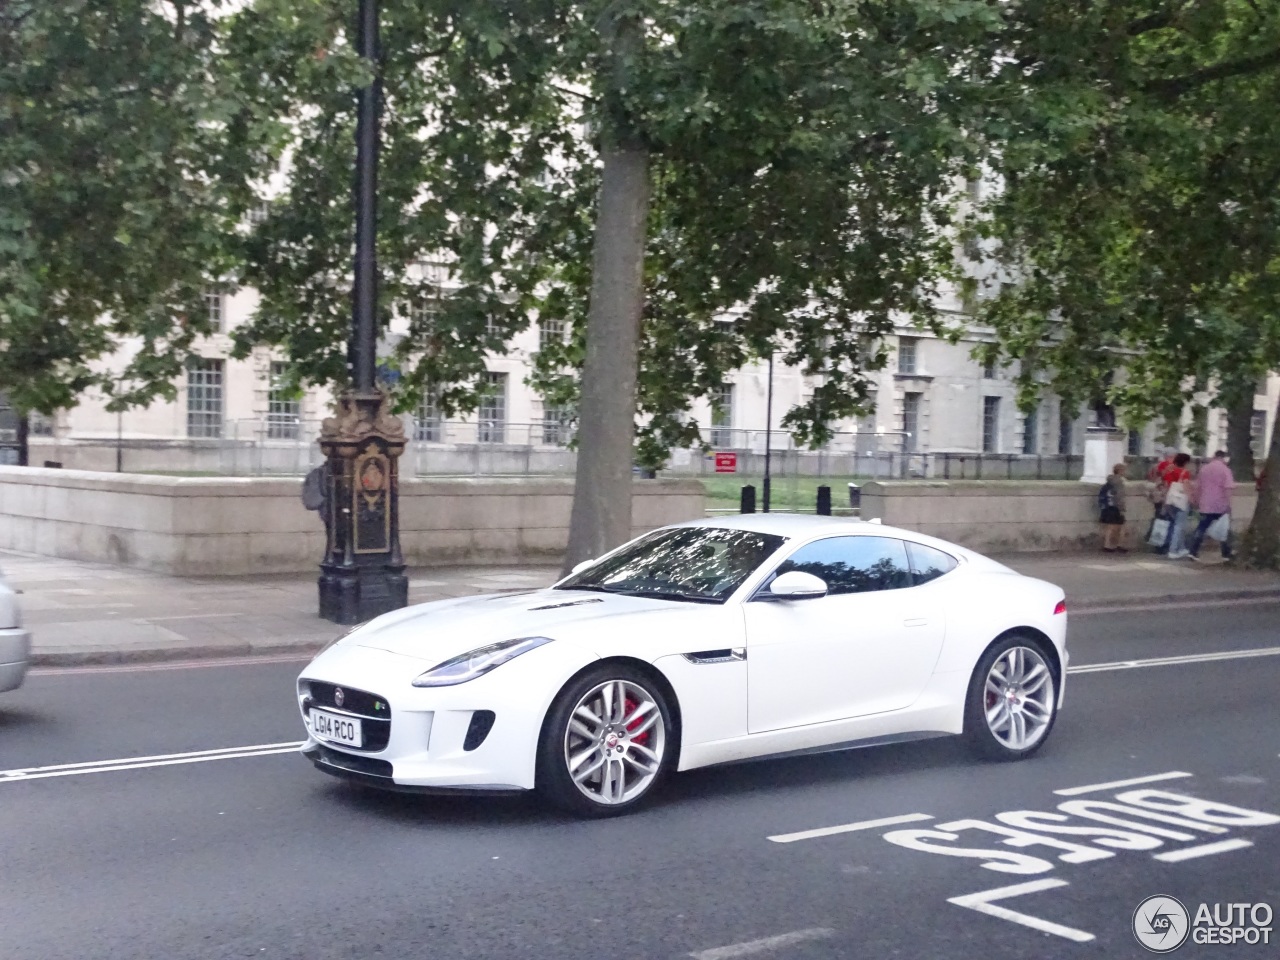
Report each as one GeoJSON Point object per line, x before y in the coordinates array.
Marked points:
{"type": "Point", "coordinates": [849, 827]}
{"type": "Point", "coordinates": [1204, 850]}
{"type": "Point", "coordinates": [1113, 784]}
{"type": "Point", "coordinates": [984, 902]}
{"type": "Point", "coordinates": [763, 945]}
{"type": "Point", "coordinates": [1173, 661]}
{"type": "Point", "coordinates": [139, 763]}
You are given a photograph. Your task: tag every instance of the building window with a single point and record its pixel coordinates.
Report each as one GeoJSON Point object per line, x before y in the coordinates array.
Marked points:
{"type": "Point", "coordinates": [1200, 431]}
{"type": "Point", "coordinates": [204, 398]}
{"type": "Point", "coordinates": [492, 414]}
{"type": "Point", "coordinates": [492, 328]}
{"type": "Point", "coordinates": [990, 424]}
{"type": "Point", "coordinates": [428, 425]}
{"type": "Point", "coordinates": [39, 425]}
{"type": "Point", "coordinates": [423, 313]}
{"type": "Point", "coordinates": [1257, 430]}
{"type": "Point", "coordinates": [722, 416]}
{"type": "Point", "coordinates": [284, 409]}
{"type": "Point", "coordinates": [259, 212]}
{"type": "Point", "coordinates": [911, 422]}
{"type": "Point", "coordinates": [214, 302]}
{"type": "Point", "coordinates": [1065, 424]}
{"type": "Point", "coordinates": [1135, 443]}
{"type": "Point", "coordinates": [989, 370]}
{"type": "Point", "coordinates": [1031, 431]}
{"type": "Point", "coordinates": [908, 355]}
{"type": "Point", "coordinates": [550, 333]}
{"type": "Point", "coordinates": [557, 426]}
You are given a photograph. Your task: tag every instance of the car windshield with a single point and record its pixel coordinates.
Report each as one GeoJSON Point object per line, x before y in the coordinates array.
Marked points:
{"type": "Point", "coordinates": [694, 564]}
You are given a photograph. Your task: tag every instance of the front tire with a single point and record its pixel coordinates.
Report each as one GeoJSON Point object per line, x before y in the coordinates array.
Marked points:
{"type": "Point", "coordinates": [608, 742]}
{"type": "Point", "coordinates": [1013, 699]}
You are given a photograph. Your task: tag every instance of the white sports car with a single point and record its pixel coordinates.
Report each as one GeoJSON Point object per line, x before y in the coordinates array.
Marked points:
{"type": "Point", "coordinates": [695, 644]}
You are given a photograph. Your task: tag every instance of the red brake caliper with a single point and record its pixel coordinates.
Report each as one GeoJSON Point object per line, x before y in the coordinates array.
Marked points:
{"type": "Point", "coordinates": [627, 706]}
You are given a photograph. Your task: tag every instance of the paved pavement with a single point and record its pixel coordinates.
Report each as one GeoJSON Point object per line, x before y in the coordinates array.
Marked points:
{"type": "Point", "coordinates": [174, 819]}
{"type": "Point", "coordinates": [90, 613]}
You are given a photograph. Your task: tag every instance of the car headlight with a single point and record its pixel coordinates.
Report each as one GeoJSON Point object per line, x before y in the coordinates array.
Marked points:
{"type": "Point", "coordinates": [478, 662]}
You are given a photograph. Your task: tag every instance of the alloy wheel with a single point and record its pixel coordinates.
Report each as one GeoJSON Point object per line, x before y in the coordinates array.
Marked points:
{"type": "Point", "coordinates": [614, 742]}
{"type": "Point", "coordinates": [1019, 698]}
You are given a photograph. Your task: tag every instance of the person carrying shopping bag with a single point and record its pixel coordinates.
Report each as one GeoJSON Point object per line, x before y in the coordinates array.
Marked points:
{"type": "Point", "coordinates": [1213, 499]}
{"type": "Point", "coordinates": [1177, 503]}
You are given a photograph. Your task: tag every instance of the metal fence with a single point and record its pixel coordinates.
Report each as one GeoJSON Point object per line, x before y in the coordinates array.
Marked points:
{"type": "Point", "coordinates": [285, 446]}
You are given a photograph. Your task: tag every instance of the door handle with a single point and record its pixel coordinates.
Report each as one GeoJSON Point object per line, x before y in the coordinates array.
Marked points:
{"type": "Point", "coordinates": [919, 622]}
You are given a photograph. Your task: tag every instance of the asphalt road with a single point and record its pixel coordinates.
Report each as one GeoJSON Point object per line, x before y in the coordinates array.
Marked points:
{"type": "Point", "coordinates": [260, 856]}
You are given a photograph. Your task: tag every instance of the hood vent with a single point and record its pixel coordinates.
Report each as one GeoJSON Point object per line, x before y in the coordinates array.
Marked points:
{"type": "Point", "coordinates": [567, 603]}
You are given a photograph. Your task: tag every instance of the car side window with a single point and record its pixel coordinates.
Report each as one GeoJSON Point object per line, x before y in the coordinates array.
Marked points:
{"type": "Point", "coordinates": [854, 564]}
{"type": "Point", "coordinates": [928, 563]}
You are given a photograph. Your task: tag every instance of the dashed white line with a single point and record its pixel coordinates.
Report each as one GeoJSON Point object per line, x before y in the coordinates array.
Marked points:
{"type": "Point", "coordinates": [1204, 850]}
{"type": "Point", "coordinates": [849, 827]}
{"type": "Point", "coordinates": [1113, 784]}
{"type": "Point", "coordinates": [1174, 661]}
{"type": "Point", "coordinates": [139, 763]}
{"type": "Point", "coordinates": [763, 945]}
{"type": "Point", "coordinates": [984, 902]}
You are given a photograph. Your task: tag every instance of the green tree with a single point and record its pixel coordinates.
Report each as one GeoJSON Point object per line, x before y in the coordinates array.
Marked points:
{"type": "Point", "coordinates": [633, 167]}
{"type": "Point", "coordinates": [1139, 222]}
{"type": "Point", "coordinates": [120, 185]}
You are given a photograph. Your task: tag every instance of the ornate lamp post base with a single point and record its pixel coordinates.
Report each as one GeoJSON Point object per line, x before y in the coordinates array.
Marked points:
{"type": "Point", "coordinates": [362, 574]}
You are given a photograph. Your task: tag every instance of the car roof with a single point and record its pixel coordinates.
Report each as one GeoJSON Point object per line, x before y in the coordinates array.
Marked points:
{"type": "Point", "coordinates": [794, 525]}
{"type": "Point", "coordinates": [806, 526]}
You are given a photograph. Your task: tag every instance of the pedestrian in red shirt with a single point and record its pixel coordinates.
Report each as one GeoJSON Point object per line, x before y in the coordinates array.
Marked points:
{"type": "Point", "coordinates": [1176, 480]}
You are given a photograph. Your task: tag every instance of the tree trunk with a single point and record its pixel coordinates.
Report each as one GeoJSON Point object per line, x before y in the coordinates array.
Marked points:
{"type": "Point", "coordinates": [601, 517]}
{"type": "Point", "coordinates": [1262, 541]}
{"type": "Point", "coordinates": [1239, 426]}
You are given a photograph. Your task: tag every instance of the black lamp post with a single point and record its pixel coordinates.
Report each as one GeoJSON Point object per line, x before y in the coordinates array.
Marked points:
{"type": "Point", "coordinates": [768, 437]}
{"type": "Point", "coordinates": [362, 574]}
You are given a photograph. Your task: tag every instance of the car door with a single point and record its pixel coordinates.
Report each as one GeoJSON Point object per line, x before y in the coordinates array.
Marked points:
{"type": "Point", "coordinates": [868, 646]}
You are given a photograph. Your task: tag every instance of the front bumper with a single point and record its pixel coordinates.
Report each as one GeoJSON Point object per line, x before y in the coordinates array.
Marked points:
{"type": "Point", "coordinates": [15, 654]}
{"type": "Point", "coordinates": [434, 739]}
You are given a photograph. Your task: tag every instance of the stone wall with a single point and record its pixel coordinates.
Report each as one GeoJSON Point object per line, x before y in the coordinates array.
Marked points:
{"type": "Point", "coordinates": [245, 525]}
{"type": "Point", "coordinates": [1002, 516]}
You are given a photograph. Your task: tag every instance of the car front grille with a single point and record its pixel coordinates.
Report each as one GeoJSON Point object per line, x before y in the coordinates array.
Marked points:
{"type": "Point", "coordinates": [372, 709]}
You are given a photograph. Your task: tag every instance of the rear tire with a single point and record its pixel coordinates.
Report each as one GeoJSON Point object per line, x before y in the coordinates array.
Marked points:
{"type": "Point", "coordinates": [1013, 699]}
{"type": "Point", "coordinates": [608, 742]}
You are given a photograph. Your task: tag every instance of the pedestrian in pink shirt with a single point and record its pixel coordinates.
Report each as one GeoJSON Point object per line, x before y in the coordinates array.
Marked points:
{"type": "Point", "coordinates": [1213, 499]}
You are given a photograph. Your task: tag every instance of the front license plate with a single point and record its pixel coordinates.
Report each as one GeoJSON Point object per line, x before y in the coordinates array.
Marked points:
{"type": "Point", "coordinates": [336, 728]}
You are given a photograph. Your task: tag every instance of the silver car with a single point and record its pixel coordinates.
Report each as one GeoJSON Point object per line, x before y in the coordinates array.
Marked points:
{"type": "Point", "coordinates": [15, 642]}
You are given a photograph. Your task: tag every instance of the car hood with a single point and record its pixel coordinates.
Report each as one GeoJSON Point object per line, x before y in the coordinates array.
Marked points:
{"type": "Point", "coordinates": [445, 628]}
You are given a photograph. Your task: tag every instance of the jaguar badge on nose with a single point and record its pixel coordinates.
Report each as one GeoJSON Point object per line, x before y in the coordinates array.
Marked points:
{"type": "Point", "coordinates": [339, 698]}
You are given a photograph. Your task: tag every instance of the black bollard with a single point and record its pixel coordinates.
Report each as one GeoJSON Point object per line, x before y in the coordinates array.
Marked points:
{"type": "Point", "coordinates": [748, 499]}
{"type": "Point", "coordinates": [824, 501]}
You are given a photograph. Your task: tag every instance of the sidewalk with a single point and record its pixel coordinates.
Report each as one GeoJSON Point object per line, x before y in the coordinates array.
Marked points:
{"type": "Point", "coordinates": [85, 613]}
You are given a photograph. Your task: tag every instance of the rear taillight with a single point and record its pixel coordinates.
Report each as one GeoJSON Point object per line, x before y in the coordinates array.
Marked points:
{"type": "Point", "coordinates": [1061, 607]}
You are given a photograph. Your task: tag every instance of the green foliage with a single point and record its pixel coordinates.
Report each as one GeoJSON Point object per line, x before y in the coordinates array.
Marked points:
{"type": "Point", "coordinates": [119, 192]}
{"type": "Point", "coordinates": [1139, 223]}
{"type": "Point", "coordinates": [803, 159]}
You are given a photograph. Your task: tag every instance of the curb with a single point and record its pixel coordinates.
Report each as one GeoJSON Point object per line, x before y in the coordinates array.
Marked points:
{"type": "Point", "coordinates": [307, 649]}
{"type": "Point", "coordinates": [1182, 599]}
{"type": "Point", "coordinates": [205, 651]}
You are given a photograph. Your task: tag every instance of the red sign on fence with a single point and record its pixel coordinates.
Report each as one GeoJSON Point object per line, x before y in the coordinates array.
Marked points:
{"type": "Point", "coordinates": [726, 463]}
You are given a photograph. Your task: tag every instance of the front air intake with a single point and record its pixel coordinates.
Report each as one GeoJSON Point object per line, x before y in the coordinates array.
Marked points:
{"type": "Point", "coordinates": [478, 729]}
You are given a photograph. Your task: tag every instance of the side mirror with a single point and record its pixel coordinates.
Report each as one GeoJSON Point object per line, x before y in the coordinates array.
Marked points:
{"type": "Point", "coordinates": [798, 585]}
{"type": "Point", "coordinates": [579, 567]}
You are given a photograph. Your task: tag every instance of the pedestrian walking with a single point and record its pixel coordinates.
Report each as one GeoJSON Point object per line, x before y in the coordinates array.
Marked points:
{"type": "Point", "coordinates": [1176, 480]}
{"type": "Point", "coordinates": [1111, 512]}
{"type": "Point", "coordinates": [1155, 487]}
{"type": "Point", "coordinates": [1213, 500]}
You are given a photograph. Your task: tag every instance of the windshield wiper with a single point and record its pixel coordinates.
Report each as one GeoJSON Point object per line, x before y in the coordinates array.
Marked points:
{"type": "Point", "coordinates": [670, 595]}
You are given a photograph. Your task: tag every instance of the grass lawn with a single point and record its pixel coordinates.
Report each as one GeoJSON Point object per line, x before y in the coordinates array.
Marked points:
{"type": "Point", "coordinates": [787, 494]}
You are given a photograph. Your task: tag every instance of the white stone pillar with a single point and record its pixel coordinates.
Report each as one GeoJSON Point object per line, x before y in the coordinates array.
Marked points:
{"type": "Point", "coordinates": [1103, 449]}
